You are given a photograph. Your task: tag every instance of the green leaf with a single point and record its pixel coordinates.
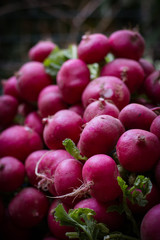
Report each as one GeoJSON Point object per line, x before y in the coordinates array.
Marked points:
{"type": "Point", "coordinates": [72, 149]}
{"type": "Point", "coordinates": [94, 70]}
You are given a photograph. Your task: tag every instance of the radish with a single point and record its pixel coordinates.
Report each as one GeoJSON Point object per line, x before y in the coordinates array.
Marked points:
{"type": "Point", "coordinates": [136, 115]}
{"type": "Point", "coordinates": [108, 87]}
{"type": "Point", "coordinates": [19, 142]}
{"type": "Point", "coordinates": [50, 101]}
{"type": "Point", "coordinates": [55, 228]}
{"type": "Point", "coordinates": [63, 124]}
{"type": "Point", "coordinates": [28, 207]}
{"type": "Point", "coordinates": [147, 66]}
{"type": "Point", "coordinates": [78, 108]}
{"type": "Point", "coordinates": [93, 48]}
{"type": "Point", "coordinates": [113, 220]}
{"type": "Point", "coordinates": [41, 50]}
{"type": "Point", "coordinates": [30, 165]}
{"type": "Point", "coordinates": [152, 86]}
{"type": "Point", "coordinates": [155, 126]}
{"type": "Point", "coordinates": [46, 166]}
{"type": "Point", "coordinates": [128, 70]}
{"type": "Point", "coordinates": [157, 173]}
{"type": "Point", "coordinates": [100, 135]}
{"type": "Point", "coordinates": [150, 224]}
{"type": "Point", "coordinates": [138, 150]}
{"type": "Point", "coordinates": [32, 78]}
{"type": "Point", "coordinates": [34, 121]}
{"type": "Point", "coordinates": [12, 173]}
{"type": "Point", "coordinates": [8, 110]}
{"type": "Point", "coordinates": [100, 107]}
{"type": "Point", "coordinates": [72, 79]}
{"type": "Point", "coordinates": [10, 87]}
{"type": "Point", "coordinates": [68, 176]}
{"type": "Point", "coordinates": [127, 44]}
{"type": "Point", "coordinates": [25, 108]}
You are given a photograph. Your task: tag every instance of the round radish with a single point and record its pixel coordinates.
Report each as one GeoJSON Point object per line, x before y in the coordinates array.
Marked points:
{"type": "Point", "coordinates": [127, 44]}
{"type": "Point", "coordinates": [100, 107]}
{"type": "Point", "coordinates": [32, 78]}
{"type": "Point", "coordinates": [63, 124]}
{"type": "Point", "coordinates": [93, 48]}
{"type": "Point", "coordinates": [10, 87]}
{"type": "Point", "coordinates": [150, 224]}
{"type": "Point", "coordinates": [41, 50]}
{"type": "Point", "coordinates": [138, 150]}
{"type": "Point", "coordinates": [19, 142]}
{"type": "Point", "coordinates": [136, 115]}
{"type": "Point", "coordinates": [148, 67]}
{"type": "Point", "coordinates": [128, 70]}
{"type": "Point", "coordinates": [12, 173]}
{"type": "Point", "coordinates": [155, 126]}
{"type": "Point", "coordinates": [50, 101]}
{"type": "Point", "coordinates": [72, 79]}
{"type": "Point", "coordinates": [78, 108]}
{"type": "Point", "coordinates": [152, 86]}
{"type": "Point", "coordinates": [100, 135]}
{"type": "Point", "coordinates": [28, 207]}
{"type": "Point", "coordinates": [108, 87]}
{"type": "Point", "coordinates": [34, 121]}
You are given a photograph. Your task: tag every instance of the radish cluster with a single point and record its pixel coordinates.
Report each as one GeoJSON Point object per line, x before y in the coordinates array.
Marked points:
{"type": "Point", "coordinates": [112, 119]}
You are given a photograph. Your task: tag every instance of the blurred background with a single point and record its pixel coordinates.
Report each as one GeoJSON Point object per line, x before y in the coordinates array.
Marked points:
{"type": "Point", "coordinates": [23, 23]}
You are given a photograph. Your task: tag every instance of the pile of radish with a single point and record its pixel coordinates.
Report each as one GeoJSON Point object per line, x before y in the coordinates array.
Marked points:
{"type": "Point", "coordinates": [80, 129]}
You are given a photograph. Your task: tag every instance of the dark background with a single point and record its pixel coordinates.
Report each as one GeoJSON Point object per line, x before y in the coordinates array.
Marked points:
{"type": "Point", "coordinates": [23, 23]}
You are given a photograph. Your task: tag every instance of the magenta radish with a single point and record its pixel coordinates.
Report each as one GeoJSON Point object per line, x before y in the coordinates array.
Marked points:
{"type": "Point", "coordinates": [150, 224]}
{"type": "Point", "coordinates": [128, 70]}
{"type": "Point", "coordinates": [93, 48]}
{"type": "Point", "coordinates": [157, 173]}
{"type": "Point", "coordinates": [136, 115]}
{"type": "Point", "coordinates": [72, 79]}
{"type": "Point", "coordinates": [100, 135]}
{"type": "Point", "coordinates": [50, 101]}
{"type": "Point", "coordinates": [32, 78]}
{"type": "Point", "coordinates": [55, 228]}
{"type": "Point", "coordinates": [147, 66]}
{"type": "Point", "coordinates": [113, 220]}
{"type": "Point", "coordinates": [100, 174]}
{"type": "Point", "coordinates": [12, 173]}
{"type": "Point", "coordinates": [10, 87]}
{"type": "Point", "coordinates": [63, 124]}
{"type": "Point", "coordinates": [19, 141]}
{"type": "Point", "coordinates": [155, 126]}
{"type": "Point", "coordinates": [30, 165]}
{"type": "Point", "coordinates": [34, 121]}
{"type": "Point", "coordinates": [78, 108]}
{"type": "Point", "coordinates": [25, 108]}
{"type": "Point", "coordinates": [152, 86]}
{"type": "Point", "coordinates": [138, 150]}
{"type": "Point", "coordinates": [108, 87]}
{"type": "Point", "coordinates": [100, 107]}
{"type": "Point", "coordinates": [41, 50]}
{"type": "Point", "coordinates": [127, 44]}
{"type": "Point", "coordinates": [8, 110]}
{"type": "Point", "coordinates": [28, 207]}
{"type": "Point", "coordinates": [67, 177]}
{"type": "Point", "coordinates": [46, 166]}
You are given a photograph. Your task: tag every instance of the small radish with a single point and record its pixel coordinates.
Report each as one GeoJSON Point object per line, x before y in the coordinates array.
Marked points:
{"type": "Point", "coordinates": [78, 108]}
{"type": "Point", "coordinates": [72, 79]}
{"type": "Point", "coordinates": [9, 87]}
{"type": "Point", "coordinates": [12, 173]}
{"type": "Point", "coordinates": [32, 78]}
{"type": "Point", "coordinates": [50, 101]}
{"type": "Point", "coordinates": [55, 228]}
{"type": "Point", "coordinates": [63, 124]}
{"type": "Point", "coordinates": [113, 220]}
{"type": "Point", "coordinates": [128, 70]}
{"type": "Point", "coordinates": [93, 48]}
{"type": "Point", "coordinates": [152, 86]}
{"type": "Point", "coordinates": [108, 87]}
{"type": "Point", "coordinates": [100, 107]}
{"type": "Point", "coordinates": [155, 126]}
{"type": "Point", "coordinates": [100, 135]}
{"type": "Point", "coordinates": [8, 110]}
{"type": "Point", "coordinates": [138, 150]}
{"type": "Point", "coordinates": [28, 207]}
{"type": "Point", "coordinates": [19, 141]}
{"type": "Point", "coordinates": [34, 121]}
{"type": "Point", "coordinates": [147, 66]}
{"type": "Point", "coordinates": [136, 115]}
{"type": "Point", "coordinates": [127, 44]}
{"type": "Point", "coordinates": [41, 50]}
{"type": "Point", "coordinates": [150, 224]}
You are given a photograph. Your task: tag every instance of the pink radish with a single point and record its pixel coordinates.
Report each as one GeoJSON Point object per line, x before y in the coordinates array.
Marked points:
{"type": "Point", "coordinates": [93, 48]}
{"type": "Point", "coordinates": [34, 121]}
{"type": "Point", "coordinates": [78, 108]}
{"type": "Point", "coordinates": [155, 126]}
{"type": "Point", "coordinates": [152, 86]}
{"type": "Point", "coordinates": [147, 66]}
{"type": "Point", "coordinates": [10, 87]}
